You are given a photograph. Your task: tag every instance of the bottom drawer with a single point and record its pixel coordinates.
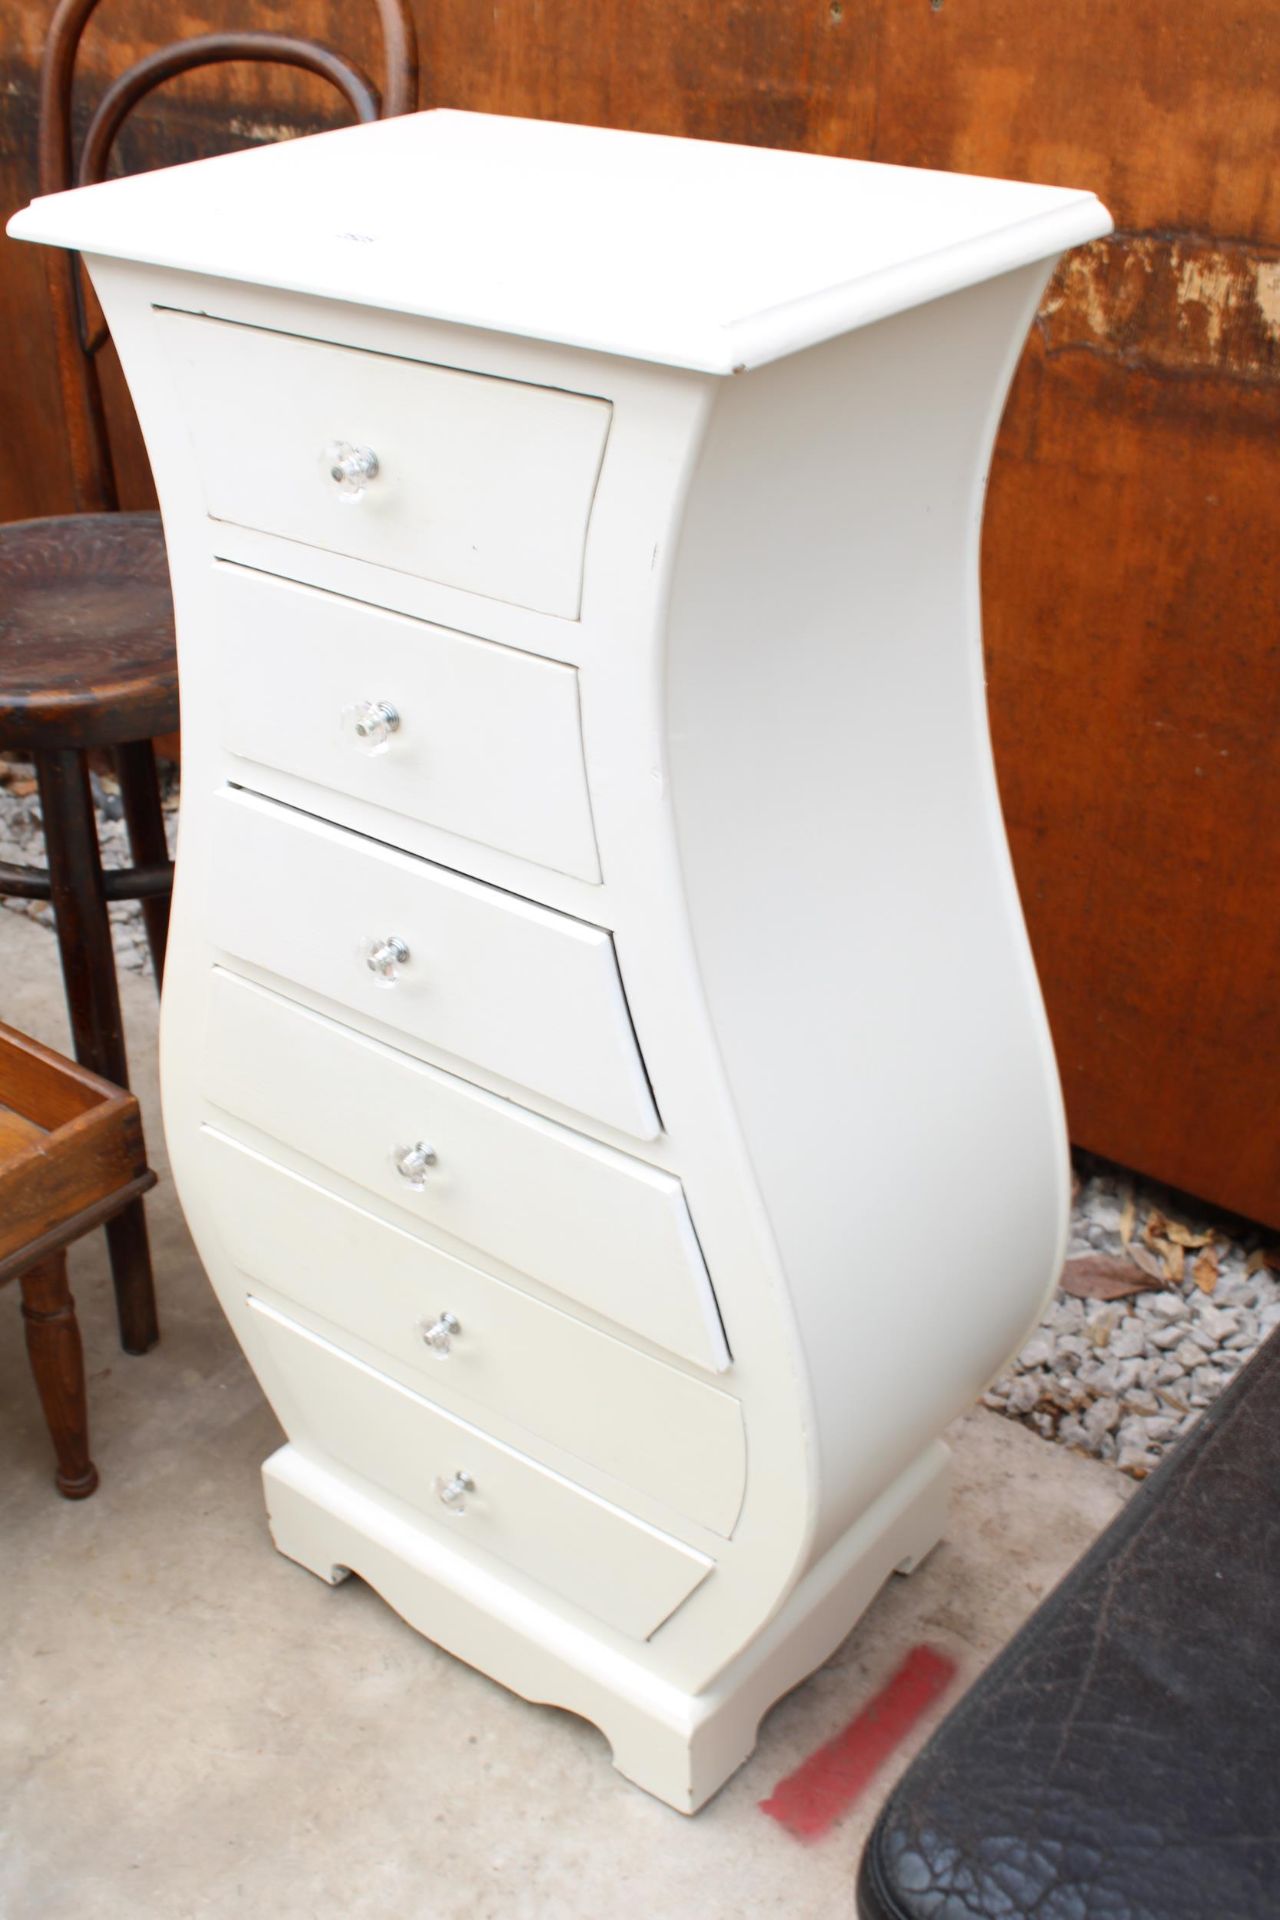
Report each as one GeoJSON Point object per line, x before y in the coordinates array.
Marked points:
{"type": "Point", "coordinates": [613, 1566]}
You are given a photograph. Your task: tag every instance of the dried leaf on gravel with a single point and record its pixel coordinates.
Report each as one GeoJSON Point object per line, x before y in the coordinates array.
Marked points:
{"type": "Point", "coordinates": [1126, 1219]}
{"type": "Point", "coordinates": [1154, 1269]}
{"type": "Point", "coordinates": [1174, 1259]}
{"type": "Point", "coordinates": [1184, 1236]}
{"type": "Point", "coordinates": [1101, 1276]}
{"type": "Point", "coordinates": [1263, 1257]}
{"type": "Point", "coordinates": [1205, 1270]}
{"type": "Point", "coordinates": [1170, 1238]}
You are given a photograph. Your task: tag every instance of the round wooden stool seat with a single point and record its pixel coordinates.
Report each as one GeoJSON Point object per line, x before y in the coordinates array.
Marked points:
{"type": "Point", "coordinates": [87, 660]}
{"type": "Point", "coordinates": [86, 632]}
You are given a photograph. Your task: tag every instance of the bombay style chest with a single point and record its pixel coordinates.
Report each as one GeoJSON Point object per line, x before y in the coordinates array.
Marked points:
{"type": "Point", "coordinates": [603, 1065]}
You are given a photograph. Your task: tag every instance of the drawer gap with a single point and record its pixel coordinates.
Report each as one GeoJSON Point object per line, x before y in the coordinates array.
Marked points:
{"type": "Point", "coordinates": [373, 353]}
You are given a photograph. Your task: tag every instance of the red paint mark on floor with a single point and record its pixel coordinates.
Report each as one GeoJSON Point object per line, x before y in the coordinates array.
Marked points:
{"type": "Point", "coordinates": [824, 1786]}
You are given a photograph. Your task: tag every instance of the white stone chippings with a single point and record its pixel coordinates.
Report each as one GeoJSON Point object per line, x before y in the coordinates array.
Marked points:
{"type": "Point", "coordinates": [1124, 1379]}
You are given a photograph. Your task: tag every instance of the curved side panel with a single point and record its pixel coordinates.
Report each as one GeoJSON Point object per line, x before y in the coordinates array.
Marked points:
{"type": "Point", "coordinates": [848, 882]}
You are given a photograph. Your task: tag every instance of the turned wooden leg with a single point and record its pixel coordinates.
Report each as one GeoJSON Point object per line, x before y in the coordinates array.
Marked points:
{"type": "Point", "coordinates": [57, 1361]}
{"type": "Point", "coordinates": [93, 1001]}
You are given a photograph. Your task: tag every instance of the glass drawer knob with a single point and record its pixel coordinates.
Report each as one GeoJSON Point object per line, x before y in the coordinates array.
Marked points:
{"type": "Point", "coordinates": [441, 1334]}
{"type": "Point", "coordinates": [350, 468]}
{"type": "Point", "coordinates": [386, 957]}
{"type": "Point", "coordinates": [411, 1163]}
{"type": "Point", "coordinates": [374, 722]}
{"type": "Point", "coordinates": [453, 1493]}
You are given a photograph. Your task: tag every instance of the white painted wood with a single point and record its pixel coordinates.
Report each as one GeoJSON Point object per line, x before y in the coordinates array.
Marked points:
{"type": "Point", "coordinates": [488, 745]}
{"type": "Point", "coordinates": [595, 1225]}
{"type": "Point", "coordinates": [627, 1574]}
{"type": "Point", "coordinates": [845, 777]}
{"type": "Point", "coordinates": [649, 1425]}
{"type": "Point", "coordinates": [264, 409]}
{"type": "Point", "coordinates": [681, 1747]}
{"type": "Point", "coordinates": [803, 873]}
{"type": "Point", "coordinates": [686, 251]}
{"type": "Point", "coordinates": [489, 978]}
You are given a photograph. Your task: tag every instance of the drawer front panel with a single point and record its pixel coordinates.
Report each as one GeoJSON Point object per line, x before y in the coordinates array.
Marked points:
{"type": "Point", "coordinates": [482, 484]}
{"type": "Point", "coordinates": [486, 743]}
{"type": "Point", "coordinates": [588, 1222]}
{"type": "Point", "coordinates": [602, 1559]}
{"type": "Point", "coordinates": [649, 1425]}
{"type": "Point", "coordinates": [490, 978]}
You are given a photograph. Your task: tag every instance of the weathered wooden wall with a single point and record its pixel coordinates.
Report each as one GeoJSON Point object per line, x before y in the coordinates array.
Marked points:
{"type": "Point", "coordinates": [1132, 564]}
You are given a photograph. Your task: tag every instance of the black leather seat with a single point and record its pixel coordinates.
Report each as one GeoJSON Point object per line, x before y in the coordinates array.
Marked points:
{"type": "Point", "coordinates": [1121, 1759]}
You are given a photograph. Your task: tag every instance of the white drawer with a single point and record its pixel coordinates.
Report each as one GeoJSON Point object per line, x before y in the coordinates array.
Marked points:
{"type": "Point", "coordinates": [649, 1425]}
{"type": "Point", "coordinates": [482, 484]}
{"type": "Point", "coordinates": [489, 978]}
{"type": "Point", "coordinates": [586, 1221]}
{"type": "Point", "coordinates": [487, 742]}
{"type": "Point", "coordinates": [603, 1560]}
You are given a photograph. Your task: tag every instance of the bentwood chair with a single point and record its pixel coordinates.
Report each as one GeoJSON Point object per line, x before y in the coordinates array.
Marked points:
{"type": "Point", "coordinates": [86, 622]}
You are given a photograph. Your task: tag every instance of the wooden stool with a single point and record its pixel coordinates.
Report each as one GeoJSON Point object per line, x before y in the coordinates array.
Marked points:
{"type": "Point", "coordinates": [86, 623]}
{"type": "Point", "coordinates": [87, 661]}
{"type": "Point", "coordinates": [71, 1158]}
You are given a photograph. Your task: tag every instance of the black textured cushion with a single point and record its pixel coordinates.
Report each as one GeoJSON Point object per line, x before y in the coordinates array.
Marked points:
{"type": "Point", "coordinates": [1121, 1759]}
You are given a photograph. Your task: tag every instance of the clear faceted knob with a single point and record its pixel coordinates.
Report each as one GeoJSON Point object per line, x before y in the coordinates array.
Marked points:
{"type": "Point", "coordinates": [386, 957]}
{"type": "Point", "coordinates": [411, 1163]}
{"type": "Point", "coordinates": [373, 722]}
{"type": "Point", "coordinates": [453, 1492]}
{"type": "Point", "coordinates": [441, 1333]}
{"type": "Point", "coordinates": [350, 468]}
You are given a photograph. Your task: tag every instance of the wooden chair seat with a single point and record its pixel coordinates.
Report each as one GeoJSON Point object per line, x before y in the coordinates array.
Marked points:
{"type": "Point", "coordinates": [86, 632]}
{"type": "Point", "coordinates": [71, 1158]}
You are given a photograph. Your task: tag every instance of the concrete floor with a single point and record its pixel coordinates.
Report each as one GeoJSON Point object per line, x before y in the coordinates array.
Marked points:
{"type": "Point", "coordinates": [192, 1726]}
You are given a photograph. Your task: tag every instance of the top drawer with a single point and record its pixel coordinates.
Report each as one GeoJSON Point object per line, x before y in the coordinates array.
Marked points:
{"type": "Point", "coordinates": [482, 484]}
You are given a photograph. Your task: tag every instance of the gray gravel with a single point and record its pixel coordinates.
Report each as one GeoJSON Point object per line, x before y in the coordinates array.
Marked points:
{"type": "Point", "coordinates": [1123, 1379]}
{"type": "Point", "coordinates": [1119, 1379]}
{"type": "Point", "coordinates": [22, 841]}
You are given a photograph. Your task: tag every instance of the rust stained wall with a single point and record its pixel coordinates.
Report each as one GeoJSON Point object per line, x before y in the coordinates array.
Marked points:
{"type": "Point", "coordinates": [1130, 559]}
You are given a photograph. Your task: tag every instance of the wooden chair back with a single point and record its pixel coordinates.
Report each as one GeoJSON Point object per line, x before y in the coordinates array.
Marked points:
{"type": "Point", "coordinates": [78, 343]}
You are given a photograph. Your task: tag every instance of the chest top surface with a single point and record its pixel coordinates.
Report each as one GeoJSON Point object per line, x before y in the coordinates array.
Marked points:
{"type": "Point", "coordinates": [685, 252]}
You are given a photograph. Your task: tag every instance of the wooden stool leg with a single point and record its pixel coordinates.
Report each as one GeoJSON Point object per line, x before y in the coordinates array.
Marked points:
{"type": "Point", "coordinates": [144, 817]}
{"type": "Point", "coordinates": [93, 1002]}
{"type": "Point", "coordinates": [57, 1361]}
{"type": "Point", "coordinates": [80, 910]}
{"type": "Point", "coordinates": [130, 1253]}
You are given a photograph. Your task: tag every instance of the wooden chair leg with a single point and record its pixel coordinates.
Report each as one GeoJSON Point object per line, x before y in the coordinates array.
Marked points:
{"type": "Point", "coordinates": [148, 844]}
{"type": "Point", "coordinates": [93, 1002]}
{"type": "Point", "coordinates": [57, 1361]}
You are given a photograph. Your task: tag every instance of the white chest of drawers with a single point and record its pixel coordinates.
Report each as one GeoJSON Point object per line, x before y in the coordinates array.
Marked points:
{"type": "Point", "coordinates": [603, 1065]}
